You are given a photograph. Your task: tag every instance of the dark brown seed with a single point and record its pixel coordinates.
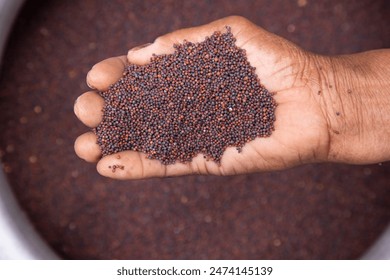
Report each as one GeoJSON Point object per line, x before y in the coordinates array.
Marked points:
{"type": "Point", "coordinates": [202, 98]}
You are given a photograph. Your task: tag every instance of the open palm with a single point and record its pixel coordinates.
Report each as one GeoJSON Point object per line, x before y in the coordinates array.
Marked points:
{"type": "Point", "coordinates": [301, 130]}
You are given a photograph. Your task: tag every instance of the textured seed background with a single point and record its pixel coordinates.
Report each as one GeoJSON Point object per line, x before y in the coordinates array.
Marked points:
{"type": "Point", "coordinates": [325, 211]}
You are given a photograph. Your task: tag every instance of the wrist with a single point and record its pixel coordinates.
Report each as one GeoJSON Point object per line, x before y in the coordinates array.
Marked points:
{"type": "Point", "coordinates": [355, 98]}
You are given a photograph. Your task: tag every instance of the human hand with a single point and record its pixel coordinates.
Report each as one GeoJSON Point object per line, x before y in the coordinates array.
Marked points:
{"type": "Point", "coordinates": [304, 128]}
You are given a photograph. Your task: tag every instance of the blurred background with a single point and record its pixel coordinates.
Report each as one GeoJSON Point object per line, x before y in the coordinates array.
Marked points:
{"type": "Point", "coordinates": [321, 211]}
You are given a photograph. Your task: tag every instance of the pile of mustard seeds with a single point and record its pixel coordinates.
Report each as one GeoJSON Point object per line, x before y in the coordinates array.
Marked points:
{"type": "Point", "coordinates": [203, 98]}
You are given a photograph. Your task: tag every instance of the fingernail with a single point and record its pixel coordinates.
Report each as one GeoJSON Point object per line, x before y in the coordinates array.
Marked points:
{"type": "Point", "coordinates": [88, 84]}
{"type": "Point", "coordinates": [76, 108]}
{"type": "Point", "coordinates": [91, 87]}
{"type": "Point", "coordinates": [139, 47]}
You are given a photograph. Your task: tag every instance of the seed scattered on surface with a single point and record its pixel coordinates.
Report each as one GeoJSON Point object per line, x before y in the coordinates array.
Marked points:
{"type": "Point", "coordinates": [10, 148]}
{"type": "Point", "coordinates": [202, 98]}
{"type": "Point", "coordinates": [208, 219]}
{"type": "Point", "coordinates": [37, 109]}
{"type": "Point", "coordinates": [23, 120]}
{"type": "Point", "coordinates": [7, 168]}
{"type": "Point", "coordinates": [59, 141]}
{"type": "Point", "coordinates": [277, 242]}
{"type": "Point", "coordinates": [115, 167]}
{"type": "Point", "coordinates": [184, 199]}
{"type": "Point", "coordinates": [44, 31]}
{"type": "Point", "coordinates": [302, 3]}
{"type": "Point", "coordinates": [291, 28]}
{"type": "Point", "coordinates": [74, 173]}
{"type": "Point", "coordinates": [72, 74]}
{"type": "Point", "coordinates": [32, 159]}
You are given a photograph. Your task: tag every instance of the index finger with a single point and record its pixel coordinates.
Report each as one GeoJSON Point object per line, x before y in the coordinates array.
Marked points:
{"type": "Point", "coordinates": [106, 72]}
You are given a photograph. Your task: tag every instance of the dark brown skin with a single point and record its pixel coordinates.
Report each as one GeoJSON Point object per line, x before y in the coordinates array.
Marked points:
{"type": "Point", "coordinates": [330, 109]}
